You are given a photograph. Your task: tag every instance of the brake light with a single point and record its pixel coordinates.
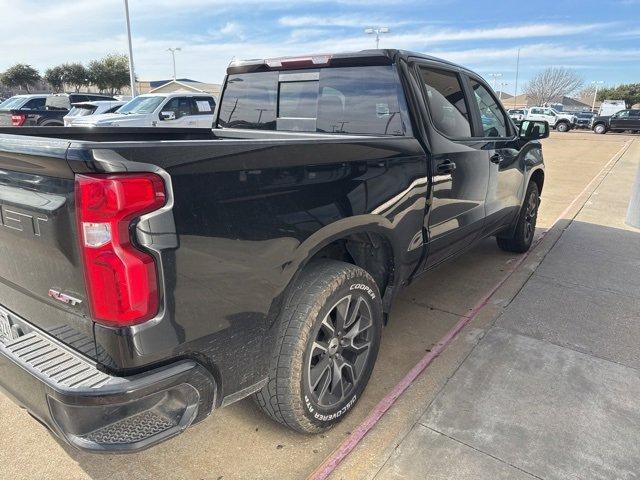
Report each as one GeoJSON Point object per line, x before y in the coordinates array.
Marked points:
{"type": "Point", "coordinates": [18, 120]}
{"type": "Point", "coordinates": [298, 62]}
{"type": "Point", "coordinates": [121, 279]}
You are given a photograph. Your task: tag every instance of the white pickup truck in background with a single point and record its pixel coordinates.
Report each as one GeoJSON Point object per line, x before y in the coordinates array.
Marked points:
{"type": "Point", "coordinates": [562, 122]}
{"type": "Point", "coordinates": [176, 109]}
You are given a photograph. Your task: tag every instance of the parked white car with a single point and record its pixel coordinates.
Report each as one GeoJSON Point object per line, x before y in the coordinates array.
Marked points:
{"type": "Point", "coordinates": [562, 122]}
{"type": "Point", "coordinates": [176, 109]}
{"type": "Point", "coordinates": [85, 109]}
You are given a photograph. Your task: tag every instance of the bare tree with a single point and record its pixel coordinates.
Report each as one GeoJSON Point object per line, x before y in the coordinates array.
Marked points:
{"type": "Point", "coordinates": [552, 84]}
{"type": "Point", "coordinates": [586, 94]}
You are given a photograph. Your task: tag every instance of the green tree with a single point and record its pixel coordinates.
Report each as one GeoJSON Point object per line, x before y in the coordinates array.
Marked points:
{"type": "Point", "coordinates": [630, 93]}
{"type": "Point", "coordinates": [20, 76]}
{"type": "Point", "coordinates": [55, 77]}
{"type": "Point", "coordinates": [111, 73]}
{"type": "Point", "coordinates": [76, 75]}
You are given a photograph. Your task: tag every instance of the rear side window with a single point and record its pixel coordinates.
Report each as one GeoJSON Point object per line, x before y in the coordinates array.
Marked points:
{"type": "Point", "coordinates": [34, 104]}
{"type": "Point", "coordinates": [203, 105]}
{"type": "Point", "coordinates": [494, 121]}
{"type": "Point", "coordinates": [350, 100]}
{"type": "Point", "coordinates": [446, 101]}
{"type": "Point", "coordinates": [60, 102]}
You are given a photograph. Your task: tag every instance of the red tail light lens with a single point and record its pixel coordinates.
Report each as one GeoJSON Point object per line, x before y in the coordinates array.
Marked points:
{"type": "Point", "coordinates": [121, 279]}
{"type": "Point", "coordinates": [18, 120]}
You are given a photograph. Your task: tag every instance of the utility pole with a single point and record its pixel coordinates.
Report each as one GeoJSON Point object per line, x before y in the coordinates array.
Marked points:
{"type": "Point", "coordinates": [377, 31]}
{"type": "Point", "coordinates": [173, 56]}
{"type": "Point", "coordinates": [595, 94]}
{"type": "Point", "coordinates": [132, 73]}
{"type": "Point", "coordinates": [515, 94]}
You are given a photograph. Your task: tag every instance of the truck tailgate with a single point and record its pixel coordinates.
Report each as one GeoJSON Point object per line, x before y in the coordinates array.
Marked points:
{"type": "Point", "coordinates": [41, 276]}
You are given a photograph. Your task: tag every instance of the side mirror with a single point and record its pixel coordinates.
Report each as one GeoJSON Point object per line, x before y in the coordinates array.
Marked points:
{"type": "Point", "coordinates": [534, 130]}
{"type": "Point", "coordinates": [168, 115]}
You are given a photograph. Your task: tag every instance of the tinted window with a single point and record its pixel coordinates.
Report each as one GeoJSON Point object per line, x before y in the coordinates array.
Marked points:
{"type": "Point", "coordinates": [352, 100]}
{"type": "Point", "coordinates": [75, 98]}
{"type": "Point", "coordinates": [634, 113]}
{"type": "Point", "coordinates": [203, 105]}
{"type": "Point", "coordinates": [112, 109]}
{"type": "Point", "coordinates": [34, 104]}
{"type": "Point", "coordinates": [249, 101]}
{"type": "Point", "coordinates": [298, 99]}
{"type": "Point", "coordinates": [494, 121]}
{"type": "Point", "coordinates": [58, 102]}
{"type": "Point", "coordinates": [181, 106]}
{"type": "Point", "coordinates": [361, 100]}
{"type": "Point", "coordinates": [446, 101]}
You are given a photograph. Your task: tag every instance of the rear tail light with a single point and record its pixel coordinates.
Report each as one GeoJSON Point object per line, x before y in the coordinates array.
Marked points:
{"type": "Point", "coordinates": [18, 120]}
{"type": "Point", "coordinates": [121, 279]}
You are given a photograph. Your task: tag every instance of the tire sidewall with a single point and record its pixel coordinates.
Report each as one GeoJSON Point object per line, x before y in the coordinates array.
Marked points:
{"type": "Point", "coordinates": [362, 286]}
{"type": "Point", "coordinates": [599, 129]}
{"type": "Point", "coordinates": [562, 127]}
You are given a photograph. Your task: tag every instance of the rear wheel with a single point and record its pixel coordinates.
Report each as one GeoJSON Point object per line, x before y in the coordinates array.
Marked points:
{"type": "Point", "coordinates": [600, 129]}
{"type": "Point", "coordinates": [327, 345]}
{"type": "Point", "coordinates": [522, 238]}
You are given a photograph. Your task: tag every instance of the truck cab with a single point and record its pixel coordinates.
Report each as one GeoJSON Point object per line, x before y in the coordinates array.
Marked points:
{"type": "Point", "coordinates": [562, 122]}
{"type": "Point", "coordinates": [621, 121]}
{"type": "Point", "coordinates": [150, 276]}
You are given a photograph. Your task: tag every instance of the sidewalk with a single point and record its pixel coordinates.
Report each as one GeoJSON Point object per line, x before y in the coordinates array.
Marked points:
{"type": "Point", "coordinates": [551, 390]}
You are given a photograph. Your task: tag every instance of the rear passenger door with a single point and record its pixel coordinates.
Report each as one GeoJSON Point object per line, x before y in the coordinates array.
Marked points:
{"type": "Point", "coordinates": [499, 140]}
{"type": "Point", "coordinates": [458, 164]}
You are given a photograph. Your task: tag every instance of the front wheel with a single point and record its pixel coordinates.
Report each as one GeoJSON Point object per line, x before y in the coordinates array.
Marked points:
{"type": "Point", "coordinates": [522, 237]}
{"type": "Point", "coordinates": [600, 129]}
{"type": "Point", "coordinates": [327, 345]}
{"type": "Point", "coordinates": [562, 127]}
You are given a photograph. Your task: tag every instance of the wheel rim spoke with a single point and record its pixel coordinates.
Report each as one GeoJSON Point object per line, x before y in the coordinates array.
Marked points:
{"type": "Point", "coordinates": [317, 372]}
{"type": "Point", "coordinates": [342, 312]}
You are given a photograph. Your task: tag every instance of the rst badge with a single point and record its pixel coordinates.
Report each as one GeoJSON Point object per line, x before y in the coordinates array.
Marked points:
{"type": "Point", "coordinates": [64, 298]}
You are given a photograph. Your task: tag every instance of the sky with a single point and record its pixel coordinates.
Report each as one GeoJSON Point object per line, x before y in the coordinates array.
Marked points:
{"type": "Point", "coordinates": [599, 39]}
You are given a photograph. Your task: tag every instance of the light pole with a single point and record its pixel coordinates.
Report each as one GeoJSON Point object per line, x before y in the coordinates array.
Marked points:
{"type": "Point", "coordinates": [173, 56]}
{"type": "Point", "coordinates": [515, 94]}
{"type": "Point", "coordinates": [501, 85]}
{"type": "Point", "coordinates": [495, 76]}
{"type": "Point", "coordinates": [132, 73]}
{"type": "Point", "coordinates": [595, 94]}
{"type": "Point", "coordinates": [377, 31]}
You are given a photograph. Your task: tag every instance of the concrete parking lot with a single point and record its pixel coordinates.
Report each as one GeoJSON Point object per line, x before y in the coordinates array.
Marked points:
{"type": "Point", "coordinates": [238, 442]}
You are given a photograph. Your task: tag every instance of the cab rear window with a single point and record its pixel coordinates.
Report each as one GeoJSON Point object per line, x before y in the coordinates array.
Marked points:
{"type": "Point", "coordinates": [348, 100]}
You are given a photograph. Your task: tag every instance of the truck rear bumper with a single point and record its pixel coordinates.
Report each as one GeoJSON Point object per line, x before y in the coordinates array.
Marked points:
{"type": "Point", "coordinates": [95, 411]}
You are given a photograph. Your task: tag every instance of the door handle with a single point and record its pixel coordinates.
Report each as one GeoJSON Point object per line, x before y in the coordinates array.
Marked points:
{"type": "Point", "coordinates": [446, 167]}
{"type": "Point", "coordinates": [496, 158]}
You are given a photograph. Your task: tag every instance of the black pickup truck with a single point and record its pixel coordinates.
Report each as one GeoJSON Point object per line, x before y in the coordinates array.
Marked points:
{"type": "Point", "coordinates": [51, 114]}
{"type": "Point", "coordinates": [622, 121]}
{"type": "Point", "coordinates": [148, 277]}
